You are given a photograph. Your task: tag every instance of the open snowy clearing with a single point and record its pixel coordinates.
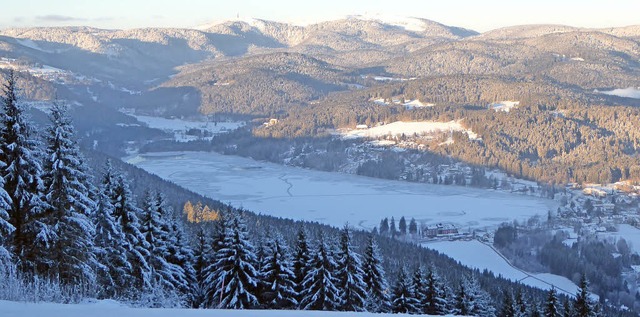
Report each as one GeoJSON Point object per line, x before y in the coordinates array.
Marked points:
{"type": "Point", "coordinates": [480, 256]}
{"type": "Point", "coordinates": [409, 128]}
{"type": "Point", "coordinates": [623, 92]}
{"type": "Point", "coordinates": [630, 234]}
{"type": "Point", "coordinates": [505, 106]}
{"type": "Point", "coordinates": [335, 198]}
{"type": "Point", "coordinates": [180, 127]}
{"type": "Point", "coordinates": [109, 308]}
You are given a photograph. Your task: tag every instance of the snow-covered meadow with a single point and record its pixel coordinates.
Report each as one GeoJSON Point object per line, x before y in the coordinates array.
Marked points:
{"type": "Point", "coordinates": [477, 255]}
{"type": "Point", "coordinates": [108, 308]}
{"type": "Point", "coordinates": [409, 128]}
{"type": "Point", "coordinates": [334, 198]}
{"type": "Point", "coordinates": [630, 92]}
{"type": "Point", "coordinates": [180, 127]}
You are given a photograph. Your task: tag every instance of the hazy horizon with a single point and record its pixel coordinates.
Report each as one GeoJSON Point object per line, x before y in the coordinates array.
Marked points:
{"type": "Point", "coordinates": [478, 16]}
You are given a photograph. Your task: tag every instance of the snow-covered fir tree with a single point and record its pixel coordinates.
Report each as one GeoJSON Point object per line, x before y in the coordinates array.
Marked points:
{"type": "Point", "coordinates": [301, 260]}
{"type": "Point", "coordinates": [419, 287]}
{"type": "Point", "coordinates": [353, 293]}
{"type": "Point", "coordinates": [472, 300]}
{"type": "Point", "coordinates": [180, 254]}
{"type": "Point", "coordinates": [201, 259]}
{"type": "Point", "coordinates": [232, 274]}
{"type": "Point", "coordinates": [126, 214]}
{"type": "Point", "coordinates": [507, 309]}
{"type": "Point", "coordinates": [402, 300]}
{"type": "Point", "coordinates": [435, 302]}
{"type": "Point", "coordinates": [21, 171]}
{"type": "Point", "coordinates": [110, 247]}
{"type": "Point", "coordinates": [156, 235]}
{"type": "Point", "coordinates": [70, 202]}
{"type": "Point", "coordinates": [277, 276]}
{"type": "Point", "coordinates": [583, 305]}
{"type": "Point", "coordinates": [551, 306]}
{"type": "Point", "coordinates": [520, 305]}
{"type": "Point", "coordinates": [375, 279]}
{"type": "Point", "coordinates": [319, 285]}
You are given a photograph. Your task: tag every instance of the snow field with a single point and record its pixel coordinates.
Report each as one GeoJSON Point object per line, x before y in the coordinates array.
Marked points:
{"type": "Point", "coordinates": [409, 128]}
{"type": "Point", "coordinates": [478, 255]}
{"type": "Point", "coordinates": [630, 92]}
{"type": "Point", "coordinates": [179, 127]}
{"type": "Point", "coordinates": [109, 308]}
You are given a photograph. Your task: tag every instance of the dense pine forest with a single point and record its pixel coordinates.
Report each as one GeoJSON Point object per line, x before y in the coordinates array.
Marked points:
{"type": "Point", "coordinates": [76, 224]}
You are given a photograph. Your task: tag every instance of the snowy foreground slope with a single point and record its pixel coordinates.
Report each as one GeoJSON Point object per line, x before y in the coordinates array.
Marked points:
{"type": "Point", "coordinates": [112, 308]}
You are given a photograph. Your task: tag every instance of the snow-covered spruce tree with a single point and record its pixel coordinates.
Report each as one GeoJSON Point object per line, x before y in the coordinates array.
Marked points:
{"type": "Point", "coordinates": [375, 279]}
{"type": "Point", "coordinates": [126, 214]}
{"type": "Point", "coordinates": [353, 293]}
{"type": "Point", "coordinates": [154, 230]}
{"type": "Point", "coordinates": [551, 306]}
{"type": "Point", "coordinates": [583, 306]}
{"type": "Point", "coordinates": [110, 247]}
{"type": "Point", "coordinates": [201, 259]}
{"type": "Point", "coordinates": [319, 285]}
{"type": "Point", "coordinates": [70, 202]}
{"type": "Point", "coordinates": [232, 274]}
{"type": "Point", "coordinates": [22, 174]}
{"type": "Point", "coordinates": [277, 277]}
{"type": "Point", "coordinates": [402, 300]}
{"type": "Point", "coordinates": [435, 302]}
{"type": "Point", "coordinates": [301, 260]}
{"type": "Point", "coordinates": [419, 287]}
{"type": "Point", "coordinates": [180, 253]}
{"type": "Point", "coordinates": [479, 301]}
{"type": "Point", "coordinates": [507, 309]}
{"type": "Point", "coordinates": [463, 302]}
{"type": "Point", "coordinates": [520, 305]}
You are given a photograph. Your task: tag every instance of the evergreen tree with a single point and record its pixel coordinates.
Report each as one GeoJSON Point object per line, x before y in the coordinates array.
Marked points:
{"type": "Point", "coordinates": [156, 235]}
{"type": "Point", "coordinates": [116, 188]}
{"type": "Point", "coordinates": [551, 306]}
{"type": "Point", "coordinates": [462, 301]}
{"type": "Point", "coordinates": [402, 300]}
{"type": "Point", "coordinates": [419, 287]}
{"type": "Point", "coordinates": [508, 309]}
{"type": "Point", "coordinates": [384, 226]}
{"type": "Point", "coordinates": [21, 172]}
{"type": "Point", "coordinates": [413, 228]}
{"type": "Point", "coordinates": [583, 306]}
{"type": "Point", "coordinates": [114, 272]}
{"type": "Point", "coordinates": [402, 226]}
{"type": "Point", "coordinates": [392, 228]}
{"type": "Point", "coordinates": [350, 275]}
{"type": "Point", "coordinates": [319, 285]}
{"type": "Point", "coordinates": [520, 305]}
{"type": "Point", "coordinates": [301, 260]}
{"type": "Point", "coordinates": [435, 296]}
{"type": "Point", "coordinates": [180, 254]}
{"type": "Point", "coordinates": [277, 276]}
{"type": "Point", "coordinates": [232, 275]}
{"type": "Point", "coordinates": [566, 311]}
{"type": "Point", "coordinates": [374, 278]}
{"type": "Point", "coordinates": [471, 300]}
{"type": "Point", "coordinates": [202, 258]}
{"type": "Point", "coordinates": [533, 310]}
{"type": "Point", "coordinates": [69, 204]}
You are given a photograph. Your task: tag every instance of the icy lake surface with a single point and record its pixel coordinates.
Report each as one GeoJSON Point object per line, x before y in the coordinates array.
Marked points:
{"type": "Point", "coordinates": [334, 198]}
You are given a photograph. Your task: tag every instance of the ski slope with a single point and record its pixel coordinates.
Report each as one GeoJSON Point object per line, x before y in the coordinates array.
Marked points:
{"type": "Point", "coordinates": [108, 308]}
{"type": "Point", "coordinates": [335, 198]}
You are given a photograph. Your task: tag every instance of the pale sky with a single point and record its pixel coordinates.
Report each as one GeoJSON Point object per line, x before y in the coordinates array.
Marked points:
{"type": "Point", "coordinates": [479, 15]}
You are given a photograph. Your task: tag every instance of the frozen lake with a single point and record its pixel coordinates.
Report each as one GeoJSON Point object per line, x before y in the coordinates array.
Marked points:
{"type": "Point", "coordinates": [334, 198]}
